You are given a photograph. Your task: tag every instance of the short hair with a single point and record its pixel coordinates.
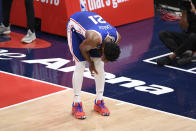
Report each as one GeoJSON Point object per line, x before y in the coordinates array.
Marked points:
{"type": "Point", "coordinates": [111, 51]}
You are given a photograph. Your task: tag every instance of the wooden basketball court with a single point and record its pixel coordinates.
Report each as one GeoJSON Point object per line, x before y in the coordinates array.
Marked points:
{"type": "Point", "coordinates": [53, 113]}
{"type": "Point", "coordinates": [37, 97]}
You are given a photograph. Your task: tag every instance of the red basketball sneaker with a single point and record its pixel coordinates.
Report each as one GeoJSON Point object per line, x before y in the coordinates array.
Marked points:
{"type": "Point", "coordinates": [77, 111]}
{"type": "Point", "coordinates": [101, 108]}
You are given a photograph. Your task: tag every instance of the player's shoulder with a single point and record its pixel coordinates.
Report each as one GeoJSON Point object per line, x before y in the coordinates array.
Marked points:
{"type": "Point", "coordinates": [93, 35]}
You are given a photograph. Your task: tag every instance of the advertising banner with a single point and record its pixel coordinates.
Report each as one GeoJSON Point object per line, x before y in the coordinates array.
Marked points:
{"type": "Point", "coordinates": [51, 12]}
{"type": "Point", "coordinates": [54, 14]}
{"type": "Point", "coordinates": [119, 12]}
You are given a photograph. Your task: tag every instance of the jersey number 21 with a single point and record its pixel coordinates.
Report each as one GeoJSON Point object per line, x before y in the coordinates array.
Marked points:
{"type": "Point", "coordinates": [97, 19]}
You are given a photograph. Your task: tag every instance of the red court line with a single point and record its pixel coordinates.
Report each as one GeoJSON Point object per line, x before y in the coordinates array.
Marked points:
{"type": "Point", "coordinates": [16, 89]}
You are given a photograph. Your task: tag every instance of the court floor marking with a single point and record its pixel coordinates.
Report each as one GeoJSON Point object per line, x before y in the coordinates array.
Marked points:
{"type": "Point", "coordinates": [192, 69]}
{"type": "Point", "coordinates": [124, 102]}
{"type": "Point", "coordinates": [38, 98]}
{"type": "Point", "coordinates": [67, 89]}
{"type": "Point", "coordinates": [34, 79]}
{"type": "Point", "coordinates": [176, 68]}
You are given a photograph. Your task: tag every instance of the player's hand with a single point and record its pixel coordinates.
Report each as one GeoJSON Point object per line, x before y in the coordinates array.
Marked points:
{"type": "Point", "coordinates": [92, 68]}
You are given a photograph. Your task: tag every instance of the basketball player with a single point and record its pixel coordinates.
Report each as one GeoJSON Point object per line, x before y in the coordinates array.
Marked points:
{"type": "Point", "coordinates": [91, 39]}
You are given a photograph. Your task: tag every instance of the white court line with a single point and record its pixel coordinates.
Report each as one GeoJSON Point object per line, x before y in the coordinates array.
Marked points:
{"type": "Point", "coordinates": [176, 68]}
{"type": "Point", "coordinates": [121, 102]}
{"type": "Point", "coordinates": [158, 56]}
{"type": "Point", "coordinates": [192, 69]}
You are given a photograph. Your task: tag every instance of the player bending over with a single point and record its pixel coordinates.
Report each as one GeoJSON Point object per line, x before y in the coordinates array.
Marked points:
{"type": "Point", "coordinates": [91, 39]}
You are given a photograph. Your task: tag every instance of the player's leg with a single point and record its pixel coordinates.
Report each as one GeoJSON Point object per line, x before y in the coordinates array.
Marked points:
{"type": "Point", "coordinates": [188, 45]}
{"type": "Point", "coordinates": [100, 84]}
{"type": "Point", "coordinates": [30, 36]}
{"type": "Point", "coordinates": [77, 109]}
{"type": "Point", "coordinates": [73, 43]}
{"type": "Point", "coordinates": [5, 25]}
{"type": "Point", "coordinates": [77, 80]}
{"type": "Point", "coordinates": [30, 15]}
{"type": "Point", "coordinates": [99, 78]}
{"type": "Point", "coordinates": [173, 41]}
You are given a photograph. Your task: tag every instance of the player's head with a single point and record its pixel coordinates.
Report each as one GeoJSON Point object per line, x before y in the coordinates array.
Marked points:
{"type": "Point", "coordinates": [111, 51]}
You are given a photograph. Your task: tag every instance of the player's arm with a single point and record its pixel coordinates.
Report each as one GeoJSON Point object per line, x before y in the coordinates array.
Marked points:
{"type": "Point", "coordinates": [91, 42]}
{"type": "Point", "coordinates": [118, 38]}
{"type": "Point", "coordinates": [183, 21]}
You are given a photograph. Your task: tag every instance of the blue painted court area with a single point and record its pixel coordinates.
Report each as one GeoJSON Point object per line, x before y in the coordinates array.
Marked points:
{"type": "Point", "coordinates": [129, 79]}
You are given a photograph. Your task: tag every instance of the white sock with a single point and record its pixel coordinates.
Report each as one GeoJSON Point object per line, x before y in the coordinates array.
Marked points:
{"type": "Point", "coordinates": [77, 99]}
{"type": "Point", "coordinates": [100, 78]}
{"type": "Point", "coordinates": [77, 80]}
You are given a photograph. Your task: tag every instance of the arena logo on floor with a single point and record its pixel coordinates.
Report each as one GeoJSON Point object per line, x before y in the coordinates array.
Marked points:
{"type": "Point", "coordinates": [59, 65]}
